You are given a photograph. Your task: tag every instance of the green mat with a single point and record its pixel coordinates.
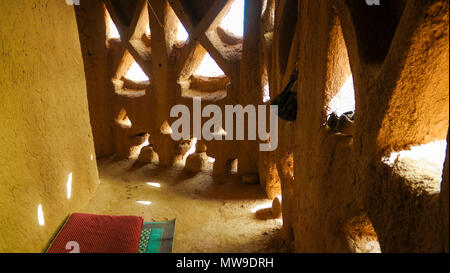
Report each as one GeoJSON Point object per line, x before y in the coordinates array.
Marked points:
{"type": "Point", "coordinates": [157, 237]}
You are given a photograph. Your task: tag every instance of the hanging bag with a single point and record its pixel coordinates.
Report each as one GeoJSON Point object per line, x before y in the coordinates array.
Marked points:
{"type": "Point", "coordinates": [287, 100]}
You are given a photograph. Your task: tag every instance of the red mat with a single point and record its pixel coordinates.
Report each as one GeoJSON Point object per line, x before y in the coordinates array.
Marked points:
{"type": "Point", "coordinates": [89, 233]}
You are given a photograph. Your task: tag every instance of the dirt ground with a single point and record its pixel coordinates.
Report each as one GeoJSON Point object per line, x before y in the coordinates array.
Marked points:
{"type": "Point", "coordinates": [213, 214]}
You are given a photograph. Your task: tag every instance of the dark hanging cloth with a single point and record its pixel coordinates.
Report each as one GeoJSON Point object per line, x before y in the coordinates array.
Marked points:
{"type": "Point", "coordinates": [287, 100]}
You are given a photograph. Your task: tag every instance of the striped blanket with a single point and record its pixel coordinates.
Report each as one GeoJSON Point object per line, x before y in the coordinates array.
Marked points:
{"type": "Point", "coordinates": [157, 237]}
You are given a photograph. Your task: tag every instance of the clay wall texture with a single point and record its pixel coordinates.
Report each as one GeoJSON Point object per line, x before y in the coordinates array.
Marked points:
{"type": "Point", "coordinates": [45, 131]}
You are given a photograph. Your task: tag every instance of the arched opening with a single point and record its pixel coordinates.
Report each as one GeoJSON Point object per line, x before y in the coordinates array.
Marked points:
{"type": "Point", "coordinates": [130, 80]}
{"type": "Point", "coordinates": [233, 22]}
{"type": "Point", "coordinates": [232, 166]}
{"type": "Point", "coordinates": [165, 128]}
{"type": "Point", "coordinates": [111, 29]}
{"type": "Point", "coordinates": [421, 165]}
{"type": "Point", "coordinates": [204, 79]}
{"type": "Point", "coordinates": [181, 33]}
{"type": "Point", "coordinates": [361, 235]}
{"type": "Point", "coordinates": [176, 34]}
{"type": "Point", "coordinates": [208, 68]}
{"type": "Point", "coordinates": [340, 103]}
{"type": "Point", "coordinates": [122, 119]}
{"type": "Point", "coordinates": [135, 73]}
{"type": "Point", "coordinates": [375, 26]}
{"type": "Point", "coordinates": [344, 100]}
{"type": "Point", "coordinates": [140, 38]}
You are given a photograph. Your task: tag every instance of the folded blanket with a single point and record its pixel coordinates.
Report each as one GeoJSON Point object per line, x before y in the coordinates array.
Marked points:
{"type": "Point", "coordinates": [157, 237]}
{"type": "Point", "coordinates": [89, 233]}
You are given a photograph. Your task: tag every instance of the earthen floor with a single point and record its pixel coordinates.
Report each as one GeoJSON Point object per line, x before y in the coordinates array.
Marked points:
{"type": "Point", "coordinates": [213, 214]}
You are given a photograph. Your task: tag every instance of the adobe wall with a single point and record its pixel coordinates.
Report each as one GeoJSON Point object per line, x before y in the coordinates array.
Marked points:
{"type": "Point", "coordinates": [339, 179]}
{"type": "Point", "coordinates": [45, 132]}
